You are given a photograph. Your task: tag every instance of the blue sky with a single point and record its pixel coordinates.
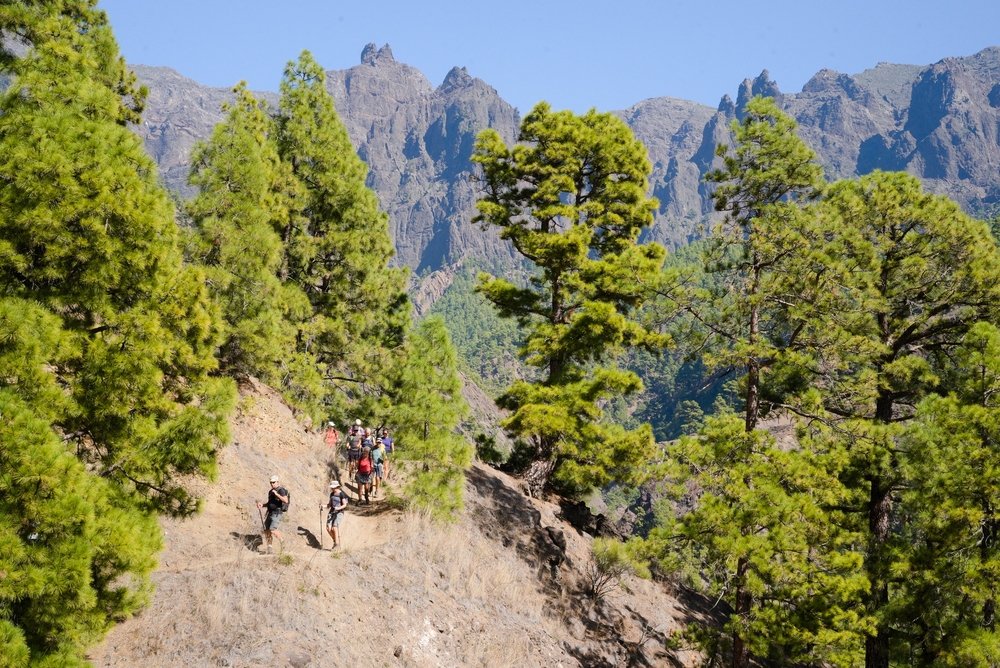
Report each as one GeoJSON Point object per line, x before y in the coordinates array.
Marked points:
{"type": "Point", "coordinates": [576, 54]}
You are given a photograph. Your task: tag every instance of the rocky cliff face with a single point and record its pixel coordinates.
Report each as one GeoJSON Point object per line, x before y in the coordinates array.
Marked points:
{"type": "Point", "coordinates": [179, 113]}
{"type": "Point", "coordinates": [417, 141]}
{"type": "Point", "coordinates": [940, 122]}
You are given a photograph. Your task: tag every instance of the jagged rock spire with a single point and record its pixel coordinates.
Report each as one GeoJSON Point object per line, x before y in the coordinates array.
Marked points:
{"type": "Point", "coordinates": [371, 53]}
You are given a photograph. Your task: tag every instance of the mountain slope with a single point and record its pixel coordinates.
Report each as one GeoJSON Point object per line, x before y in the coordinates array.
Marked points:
{"type": "Point", "coordinates": [939, 122]}
{"type": "Point", "coordinates": [500, 588]}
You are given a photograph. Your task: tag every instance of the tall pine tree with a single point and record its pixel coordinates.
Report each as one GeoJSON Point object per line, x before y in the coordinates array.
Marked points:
{"type": "Point", "coordinates": [245, 202]}
{"type": "Point", "coordinates": [767, 176]}
{"type": "Point", "coordinates": [427, 409]}
{"type": "Point", "coordinates": [571, 198]}
{"type": "Point", "coordinates": [914, 274]}
{"type": "Point", "coordinates": [338, 250]}
{"type": "Point", "coordinates": [106, 397]}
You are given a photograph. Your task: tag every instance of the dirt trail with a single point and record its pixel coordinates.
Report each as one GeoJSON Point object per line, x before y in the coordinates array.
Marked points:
{"type": "Point", "coordinates": [500, 588]}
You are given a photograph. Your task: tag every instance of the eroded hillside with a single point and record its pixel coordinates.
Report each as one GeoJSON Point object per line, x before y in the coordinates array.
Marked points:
{"type": "Point", "coordinates": [504, 586]}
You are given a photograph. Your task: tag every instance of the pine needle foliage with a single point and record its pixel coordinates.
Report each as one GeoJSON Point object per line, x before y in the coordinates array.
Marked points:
{"type": "Point", "coordinates": [427, 410]}
{"type": "Point", "coordinates": [244, 203]}
{"type": "Point", "coordinates": [913, 276]}
{"type": "Point", "coordinates": [107, 398]}
{"type": "Point", "coordinates": [337, 251]}
{"type": "Point", "coordinates": [571, 198]}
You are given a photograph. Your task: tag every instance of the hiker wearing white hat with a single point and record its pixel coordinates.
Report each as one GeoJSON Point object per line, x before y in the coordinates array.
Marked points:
{"type": "Point", "coordinates": [331, 436]}
{"type": "Point", "coordinates": [336, 504]}
{"type": "Point", "coordinates": [276, 504]}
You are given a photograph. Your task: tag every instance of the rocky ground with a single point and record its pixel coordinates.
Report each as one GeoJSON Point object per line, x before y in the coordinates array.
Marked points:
{"type": "Point", "coordinates": [503, 586]}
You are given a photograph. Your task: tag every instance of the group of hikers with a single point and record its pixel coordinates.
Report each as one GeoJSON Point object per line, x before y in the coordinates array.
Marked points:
{"type": "Point", "coordinates": [367, 459]}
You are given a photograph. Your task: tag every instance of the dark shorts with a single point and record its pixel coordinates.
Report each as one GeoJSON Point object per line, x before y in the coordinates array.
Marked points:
{"type": "Point", "coordinates": [333, 519]}
{"type": "Point", "coordinates": [353, 455]}
{"type": "Point", "coordinates": [272, 520]}
{"type": "Point", "coordinates": [363, 479]}
{"type": "Point", "coordinates": [379, 470]}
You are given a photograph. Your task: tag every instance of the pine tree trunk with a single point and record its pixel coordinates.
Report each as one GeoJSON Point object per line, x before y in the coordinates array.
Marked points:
{"type": "Point", "coordinates": [880, 505]}
{"type": "Point", "coordinates": [741, 658]}
{"type": "Point", "coordinates": [537, 476]}
{"type": "Point", "coordinates": [879, 516]}
{"type": "Point", "coordinates": [986, 549]}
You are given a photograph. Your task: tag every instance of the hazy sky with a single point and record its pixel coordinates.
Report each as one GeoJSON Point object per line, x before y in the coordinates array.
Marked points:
{"type": "Point", "coordinates": [575, 54]}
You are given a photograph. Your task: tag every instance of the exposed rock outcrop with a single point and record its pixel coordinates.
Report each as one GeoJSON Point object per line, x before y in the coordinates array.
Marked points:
{"type": "Point", "coordinates": [939, 122]}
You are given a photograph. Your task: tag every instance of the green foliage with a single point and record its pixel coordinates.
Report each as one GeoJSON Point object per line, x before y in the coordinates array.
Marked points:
{"type": "Point", "coordinates": [87, 233]}
{"type": "Point", "coordinates": [908, 275]}
{"type": "Point", "coordinates": [337, 248]}
{"type": "Point", "coordinates": [107, 398]}
{"type": "Point", "coordinates": [612, 561]}
{"type": "Point", "coordinates": [244, 202]}
{"type": "Point", "coordinates": [760, 521]}
{"type": "Point", "coordinates": [571, 199]}
{"type": "Point", "coordinates": [69, 546]}
{"type": "Point", "coordinates": [428, 407]}
{"type": "Point", "coordinates": [949, 574]}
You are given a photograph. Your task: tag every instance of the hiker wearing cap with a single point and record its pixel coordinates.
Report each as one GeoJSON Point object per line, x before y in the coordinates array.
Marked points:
{"type": "Point", "coordinates": [389, 447]}
{"type": "Point", "coordinates": [331, 436]}
{"type": "Point", "coordinates": [364, 475]}
{"type": "Point", "coordinates": [354, 436]}
{"type": "Point", "coordinates": [378, 459]}
{"type": "Point", "coordinates": [336, 504]}
{"type": "Point", "coordinates": [277, 501]}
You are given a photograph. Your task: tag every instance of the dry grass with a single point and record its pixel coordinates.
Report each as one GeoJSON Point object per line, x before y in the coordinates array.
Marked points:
{"type": "Point", "coordinates": [447, 595]}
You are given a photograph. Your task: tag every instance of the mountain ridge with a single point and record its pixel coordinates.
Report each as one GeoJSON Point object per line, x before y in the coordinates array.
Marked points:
{"type": "Point", "coordinates": [939, 122]}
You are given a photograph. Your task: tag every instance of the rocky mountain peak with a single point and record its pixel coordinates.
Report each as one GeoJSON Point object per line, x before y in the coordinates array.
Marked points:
{"type": "Point", "coordinates": [371, 54]}
{"type": "Point", "coordinates": [456, 78]}
{"type": "Point", "coordinates": [726, 105]}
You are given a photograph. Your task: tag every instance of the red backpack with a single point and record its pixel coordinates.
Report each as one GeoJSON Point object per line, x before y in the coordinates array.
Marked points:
{"type": "Point", "coordinates": [365, 466]}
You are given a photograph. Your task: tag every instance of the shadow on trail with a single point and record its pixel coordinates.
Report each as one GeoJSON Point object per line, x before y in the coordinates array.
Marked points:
{"type": "Point", "coordinates": [333, 468]}
{"type": "Point", "coordinates": [310, 537]}
{"type": "Point", "coordinates": [251, 541]}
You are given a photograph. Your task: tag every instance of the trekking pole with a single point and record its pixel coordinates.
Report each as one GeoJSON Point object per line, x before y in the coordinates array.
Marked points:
{"type": "Point", "coordinates": [261, 513]}
{"type": "Point", "coordinates": [321, 528]}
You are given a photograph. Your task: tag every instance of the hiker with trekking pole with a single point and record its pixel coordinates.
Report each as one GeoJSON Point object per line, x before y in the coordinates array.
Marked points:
{"type": "Point", "coordinates": [276, 504]}
{"type": "Point", "coordinates": [337, 504]}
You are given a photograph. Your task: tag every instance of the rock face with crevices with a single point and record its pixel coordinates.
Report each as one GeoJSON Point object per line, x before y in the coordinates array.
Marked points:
{"type": "Point", "coordinates": [939, 122]}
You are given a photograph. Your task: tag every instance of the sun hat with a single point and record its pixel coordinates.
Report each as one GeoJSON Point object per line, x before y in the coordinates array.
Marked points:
{"type": "Point", "coordinates": [334, 484]}
{"type": "Point", "coordinates": [331, 424]}
{"type": "Point", "coordinates": [274, 478]}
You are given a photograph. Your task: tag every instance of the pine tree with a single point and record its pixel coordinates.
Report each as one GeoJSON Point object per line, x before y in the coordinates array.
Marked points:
{"type": "Point", "coordinates": [244, 204]}
{"type": "Point", "coordinates": [107, 345]}
{"type": "Point", "coordinates": [748, 315]}
{"type": "Point", "coordinates": [571, 198]}
{"type": "Point", "coordinates": [914, 274]}
{"type": "Point", "coordinates": [338, 250]}
{"type": "Point", "coordinates": [427, 409]}
{"type": "Point", "coordinates": [759, 530]}
{"type": "Point", "coordinates": [68, 542]}
{"type": "Point", "coordinates": [946, 567]}
{"type": "Point", "coordinates": [87, 232]}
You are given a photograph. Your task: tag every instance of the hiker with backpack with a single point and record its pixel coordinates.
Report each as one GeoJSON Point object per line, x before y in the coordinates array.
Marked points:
{"type": "Point", "coordinates": [354, 436]}
{"type": "Point", "coordinates": [331, 436]}
{"type": "Point", "coordinates": [389, 447]}
{"type": "Point", "coordinates": [277, 502]}
{"type": "Point", "coordinates": [378, 459]}
{"type": "Point", "coordinates": [364, 475]}
{"type": "Point", "coordinates": [337, 504]}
